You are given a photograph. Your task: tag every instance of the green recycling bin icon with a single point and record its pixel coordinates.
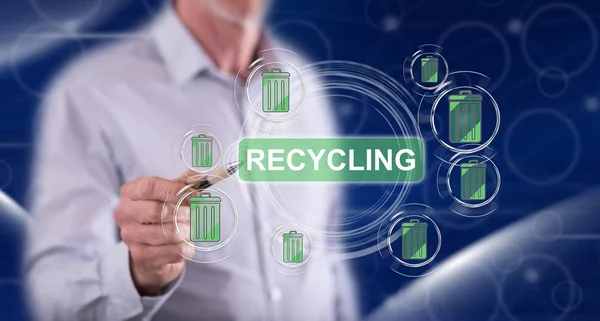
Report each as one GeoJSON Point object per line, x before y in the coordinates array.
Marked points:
{"type": "Point", "coordinates": [205, 218]}
{"type": "Point", "coordinates": [472, 181]}
{"type": "Point", "coordinates": [276, 91]}
{"type": "Point", "coordinates": [465, 117]}
{"type": "Point", "coordinates": [414, 240]}
{"type": "Point", "coordinates": [293, 247]}
{"type": "Point", "coordinates": [202, 151]}
{"type": "Point", "coordinates": [429, 69]}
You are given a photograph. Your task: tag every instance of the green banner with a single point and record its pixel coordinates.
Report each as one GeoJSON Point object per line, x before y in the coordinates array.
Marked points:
{"type": "Point", "coordinates": [377, 159]}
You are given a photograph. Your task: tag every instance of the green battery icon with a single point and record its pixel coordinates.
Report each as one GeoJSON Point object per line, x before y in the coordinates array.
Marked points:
{"type": "Point", "coordinates": [276, 91]}
{"type": "Point", "coordinates": [414, 240]}
{"type": "Point", "coordinates": [205, 218]}
{"type": "Point", "coordinates": [292, 247]}
{"type": "Point", "coordinates": [202, 151]}
{"type": "Point", "coordinates": [465, 117]}
{"type": "Point", "coordinates": [429, 69]}
{"type": "Point", "coordinates": [472, 181]}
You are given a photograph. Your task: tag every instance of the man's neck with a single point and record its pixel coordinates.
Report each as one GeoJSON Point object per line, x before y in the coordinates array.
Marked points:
{"type": "Point", "coordinates": [230, 45]}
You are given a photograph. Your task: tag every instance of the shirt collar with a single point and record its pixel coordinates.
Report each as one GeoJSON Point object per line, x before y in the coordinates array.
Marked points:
{"type": "Point", "coordinates": [183, 56]}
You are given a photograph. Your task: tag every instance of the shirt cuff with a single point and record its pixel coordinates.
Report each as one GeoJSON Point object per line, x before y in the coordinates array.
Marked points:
{"type": "Point", "coordinates": [117, 283]}
{"type": "Point", "coordinates": [151, 304]}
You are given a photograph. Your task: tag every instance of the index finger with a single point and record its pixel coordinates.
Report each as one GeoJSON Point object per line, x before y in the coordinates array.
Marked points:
{"type": "Point", "coordinates": [190, 177]}
{"type": "Point", "coordinates": [153, 189]}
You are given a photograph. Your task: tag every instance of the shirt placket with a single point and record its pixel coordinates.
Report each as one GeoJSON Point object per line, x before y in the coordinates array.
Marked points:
{"type": "Point", "coordinates": [262, 227]}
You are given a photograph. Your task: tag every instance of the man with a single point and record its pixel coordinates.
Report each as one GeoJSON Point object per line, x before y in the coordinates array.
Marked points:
{"type": "Point", "coordinates": [105, 156]}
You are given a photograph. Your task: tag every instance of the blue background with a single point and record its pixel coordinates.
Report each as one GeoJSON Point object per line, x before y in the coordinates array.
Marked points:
{"type": "Point", "coordinates": [488, 36]}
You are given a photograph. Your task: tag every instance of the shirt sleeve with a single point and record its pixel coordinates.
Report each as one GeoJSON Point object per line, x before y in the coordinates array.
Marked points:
{"type": "Point", "coordinates": [76, 267]}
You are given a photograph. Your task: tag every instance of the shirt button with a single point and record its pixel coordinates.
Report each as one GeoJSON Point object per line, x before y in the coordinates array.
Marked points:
{"type": "Point", "coordinates": [276, 294]}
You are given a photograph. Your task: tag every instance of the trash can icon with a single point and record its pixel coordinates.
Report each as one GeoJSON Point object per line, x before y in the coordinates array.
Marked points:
{"type": "Point", "coordinates": [429, 69]}
{"type": "Point", "coordinates": [276, 91]}
{"type": "Point", "coordinates": [472, 181]}
{"type": "Point", "coordinates": [414, 240]}
{"type": "Point", "coordinates": [202, 151]}
{"type": "Point", "coordinates": [292, 247]}
{"type": "Point", "coordinates": [465, 117]}
{"type": "Point", "coordinates": [205, 218]}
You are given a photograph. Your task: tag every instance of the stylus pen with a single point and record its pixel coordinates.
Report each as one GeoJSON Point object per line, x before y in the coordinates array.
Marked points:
{"type": "Point", "coordinates": [218, 174]}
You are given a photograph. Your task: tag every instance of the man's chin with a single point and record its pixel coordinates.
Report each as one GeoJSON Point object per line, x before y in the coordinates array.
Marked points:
{"type": "Point", "coordinates": [240, 16]}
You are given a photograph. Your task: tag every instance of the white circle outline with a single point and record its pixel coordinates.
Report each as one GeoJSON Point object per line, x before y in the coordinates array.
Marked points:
{"type": "Point", "coordinates": [525, 32]}
{"type": "Point", "coordinates": [276, 234]}
{"type": "Point", "coordinates": [454, 207]}
{"type": "Point", "coordinates": [296, 109]}
{"type": "Point", "coordinates": [30, 33]}
{"type": "Point", "coordinates": [384, 90]}
{"type": "Point", "coordinates": [389, 243]}
{"type": "Point", "coordinates": [564, 76]}
{"type": "Point", "coordinates": [491, 29]}
{"type": "Point", "coordinates": [458, 150]}
{"type": "Point", "coordinates": [200, 248]}
{"type": "Point", "coordinates": [48, 17]}
{"type": "Point", "coordinates": [542, 257]}
{"type": "Point", "coordinates": [570, 125]}
{"type": "Point", "coordinates": [412, 76]}
{"type": "Point", "coordinates": [183, 150]}
{"type": "Point", "coordinates": [578, 296]}
{"type": "Point", "coordinates": [497, 257]}
{"type": "Point", "coordinates": [477, 205]}
{"type": "Point", "coordinates": [535, 226]}
{"type": "Point", "coordinates": [9, 176]}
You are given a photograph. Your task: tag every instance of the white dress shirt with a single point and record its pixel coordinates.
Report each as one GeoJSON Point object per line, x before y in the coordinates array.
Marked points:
{"type": "Point", "coordinates": [113, 116]}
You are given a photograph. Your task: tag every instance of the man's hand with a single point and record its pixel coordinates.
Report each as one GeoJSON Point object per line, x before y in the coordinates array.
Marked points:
{"type": "Point", "coordinates": [157, 252]}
